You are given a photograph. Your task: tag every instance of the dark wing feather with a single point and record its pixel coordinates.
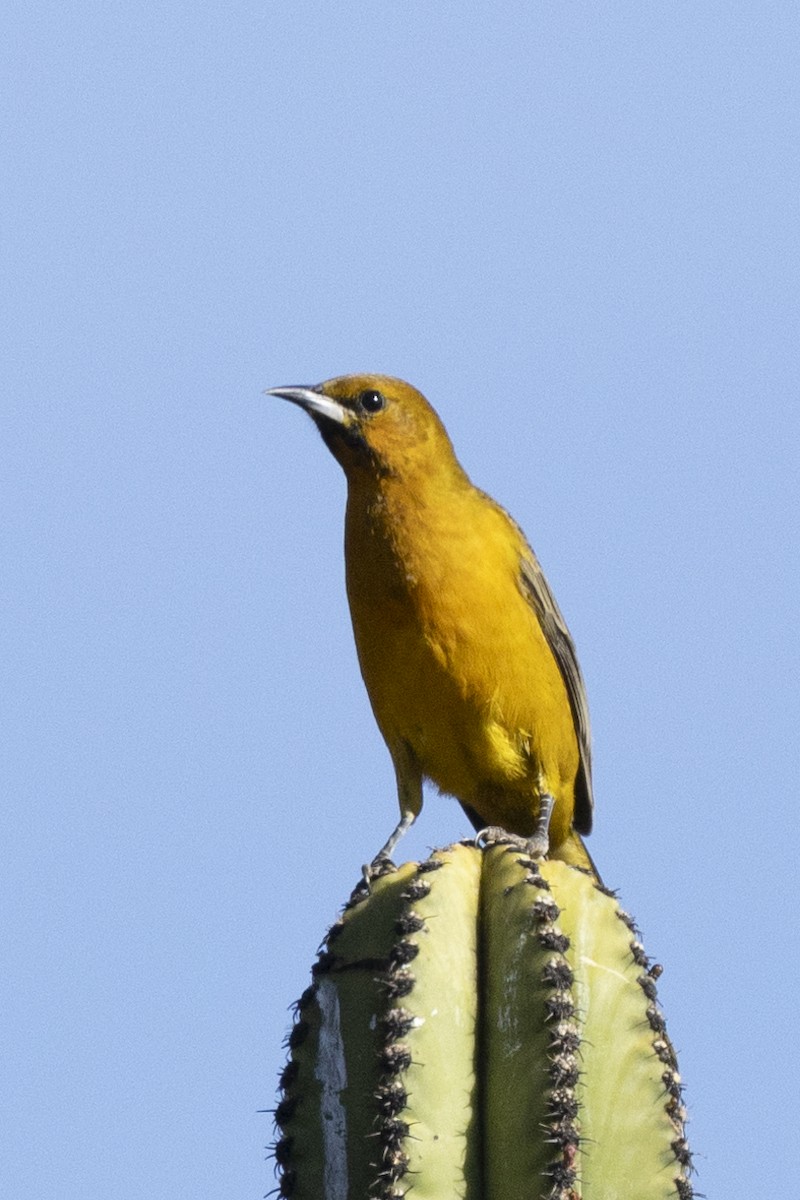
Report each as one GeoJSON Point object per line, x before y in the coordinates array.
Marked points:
{"type": "Point", "coordinates": [542, 600]}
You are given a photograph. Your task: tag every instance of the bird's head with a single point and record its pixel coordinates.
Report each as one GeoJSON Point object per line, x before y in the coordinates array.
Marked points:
{"type": "Point", "coordinates": [375, 424]}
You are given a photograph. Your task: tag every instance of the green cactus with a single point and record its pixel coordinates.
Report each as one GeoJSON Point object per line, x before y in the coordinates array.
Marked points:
{"type": "Point", "coordinates": [482, 1026]}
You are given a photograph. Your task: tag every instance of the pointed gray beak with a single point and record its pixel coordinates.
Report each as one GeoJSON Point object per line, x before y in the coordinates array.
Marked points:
{"type": "Point", "coordinates": [313, 402]}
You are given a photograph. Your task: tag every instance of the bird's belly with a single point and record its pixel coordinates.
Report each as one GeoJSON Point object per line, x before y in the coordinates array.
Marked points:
{"type": "Point", "coordinates": [487, 719]}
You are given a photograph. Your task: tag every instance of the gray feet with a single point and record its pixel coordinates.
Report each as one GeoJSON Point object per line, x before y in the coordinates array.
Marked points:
{"type": "Point", "coordinates": [537, 845]}
{"type": "Point", "coordinates": [382, 862]}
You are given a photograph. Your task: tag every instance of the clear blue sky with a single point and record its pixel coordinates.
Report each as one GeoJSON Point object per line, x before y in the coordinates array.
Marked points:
{"type": "Point", "coordinates": [575, 227]}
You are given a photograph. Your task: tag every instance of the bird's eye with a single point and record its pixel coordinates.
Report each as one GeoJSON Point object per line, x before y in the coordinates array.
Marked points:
{"type": "Point", "coordinates": [371, 400]}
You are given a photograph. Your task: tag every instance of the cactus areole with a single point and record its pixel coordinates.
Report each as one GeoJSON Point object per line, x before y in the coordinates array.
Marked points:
{"type": "Point", "coordinates": [482, 1026]}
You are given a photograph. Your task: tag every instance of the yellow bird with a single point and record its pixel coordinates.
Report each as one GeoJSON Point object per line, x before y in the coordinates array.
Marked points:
{"type": "Point", "coordinates": [470, 668]}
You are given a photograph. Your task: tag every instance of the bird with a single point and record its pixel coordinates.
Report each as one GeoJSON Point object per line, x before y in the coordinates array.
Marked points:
{"type": "Point", "coordinates": [470, 669]}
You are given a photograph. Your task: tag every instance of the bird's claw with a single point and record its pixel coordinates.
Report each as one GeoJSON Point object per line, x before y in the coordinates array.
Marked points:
{"type": "Point", "coordinates": [538, 845]}
{"type": "Point", "coordinates": [380, 865]}
{"type": "Point", "coordinates": [495, 835]}
{"type": "Point", "coordinates": [535, 847]}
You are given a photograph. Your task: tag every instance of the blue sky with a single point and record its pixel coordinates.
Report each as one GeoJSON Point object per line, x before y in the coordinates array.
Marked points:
{"type": "Point", "coordinates": [575, 228]}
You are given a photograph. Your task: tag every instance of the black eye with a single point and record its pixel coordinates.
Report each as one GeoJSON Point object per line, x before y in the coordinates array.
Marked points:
{"type": "Point", "coordinates": [371, 401]}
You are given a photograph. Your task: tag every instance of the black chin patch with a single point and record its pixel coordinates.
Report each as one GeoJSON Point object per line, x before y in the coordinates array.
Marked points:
{"type": "Point", "coordinates": [334, 434]}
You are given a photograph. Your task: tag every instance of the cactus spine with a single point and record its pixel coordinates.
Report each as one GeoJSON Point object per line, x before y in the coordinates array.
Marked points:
{"type": "Point", "coordinates": [482, 1026]}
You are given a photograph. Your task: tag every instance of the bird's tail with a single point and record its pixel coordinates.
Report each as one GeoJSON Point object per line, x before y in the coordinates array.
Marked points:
{"type": "Point", "coordinates": [573, 851]}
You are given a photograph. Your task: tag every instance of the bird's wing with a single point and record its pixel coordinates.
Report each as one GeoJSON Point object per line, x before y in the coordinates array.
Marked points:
{"type": "Point", "coordinates": [554, 627]}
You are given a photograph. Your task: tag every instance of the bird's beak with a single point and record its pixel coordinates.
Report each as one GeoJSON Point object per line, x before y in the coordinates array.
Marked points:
{"type": "Point", "coordinates": [314, 402]}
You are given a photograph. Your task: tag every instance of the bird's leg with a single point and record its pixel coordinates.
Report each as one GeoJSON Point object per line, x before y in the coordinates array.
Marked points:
{"type": "Point", "coordinates": [539, 844]}
{"type": "Point", "coordinates": [409, 796]}
{"type": "Point", "coordinates": [384, 855]}
{"type": "Point", "coordinates": [402, 826]}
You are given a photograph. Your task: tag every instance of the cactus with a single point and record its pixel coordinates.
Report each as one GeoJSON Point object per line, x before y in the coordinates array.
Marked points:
{"type": "Point", "coordinates": [482, 1026]}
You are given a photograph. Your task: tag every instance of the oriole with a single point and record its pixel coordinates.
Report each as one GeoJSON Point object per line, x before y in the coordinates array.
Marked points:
{"type": "Point", "coordinates": [470, 669]}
